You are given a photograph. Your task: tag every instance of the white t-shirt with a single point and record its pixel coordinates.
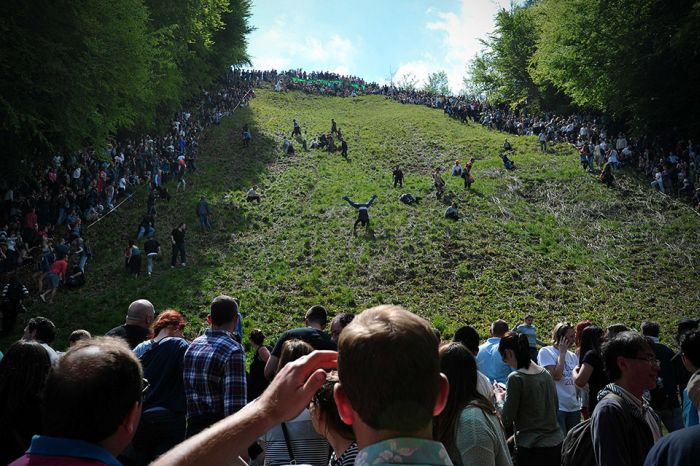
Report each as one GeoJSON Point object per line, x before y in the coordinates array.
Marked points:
{"type": "Point", "coordinates": [566, 389]}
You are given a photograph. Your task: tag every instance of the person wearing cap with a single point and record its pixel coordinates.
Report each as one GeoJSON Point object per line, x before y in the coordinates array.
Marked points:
{"type": "Point", "coordinates": [137, 327]}
{"type": "Point", "coordinates": [315, 321]}
{"type": "Point", "coordinates": [214, 369]}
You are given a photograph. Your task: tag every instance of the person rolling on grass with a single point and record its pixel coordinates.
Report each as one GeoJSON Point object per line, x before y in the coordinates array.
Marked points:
{"type": "Point", "coordinates": [362, 211]}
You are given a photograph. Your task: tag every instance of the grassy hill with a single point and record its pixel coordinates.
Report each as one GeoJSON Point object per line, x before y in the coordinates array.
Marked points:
{"type": "Point", "coordinates": [547, 239]}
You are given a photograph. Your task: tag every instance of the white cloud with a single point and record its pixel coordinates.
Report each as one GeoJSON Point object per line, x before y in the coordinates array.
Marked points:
{"type": "Point", "coordinates": [288, 44]}
{"type": "Point", "coordinates": [461, 32]}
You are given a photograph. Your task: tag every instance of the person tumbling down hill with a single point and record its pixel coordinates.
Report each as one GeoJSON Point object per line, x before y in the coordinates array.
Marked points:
{"type": "Point", "coordinates": [362, 211]}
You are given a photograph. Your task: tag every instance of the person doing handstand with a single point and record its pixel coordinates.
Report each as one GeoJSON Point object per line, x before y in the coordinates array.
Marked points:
{"type": "Point", "coordinates": [362, 211]}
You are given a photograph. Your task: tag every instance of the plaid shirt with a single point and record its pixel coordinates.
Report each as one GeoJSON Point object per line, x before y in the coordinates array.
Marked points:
{"type": "Point", "coordinates": [214, 373]}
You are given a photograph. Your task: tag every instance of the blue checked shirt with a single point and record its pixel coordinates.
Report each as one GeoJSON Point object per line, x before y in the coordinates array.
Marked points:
{"type": "Point", "coordinates": [214, 372]}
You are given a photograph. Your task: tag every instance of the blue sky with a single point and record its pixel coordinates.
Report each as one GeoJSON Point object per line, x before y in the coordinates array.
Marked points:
{"type": "Point", "coordinates": [369, 38]}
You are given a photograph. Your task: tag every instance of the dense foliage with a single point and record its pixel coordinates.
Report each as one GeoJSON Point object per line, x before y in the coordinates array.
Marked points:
{"type": "Point", "coordinates": [632, 59]}
{"type": "Point", "coordinates": [74, 73]}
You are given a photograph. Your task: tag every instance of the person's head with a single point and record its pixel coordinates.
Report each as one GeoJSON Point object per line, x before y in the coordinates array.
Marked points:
{"type": "Point", "coordinates": [650, 329]}
{"type": "Point", "coordinates": [141, 312]}
{"type": "Point", "coordinates": [390, 382]}
{"type": "Point", "coordinates": [499, 328]}
{"type": "Point", "coordinates": [94, 394]}
{"type": "Point", "coordinates": [685, 325]}
{"type": "Point", "coordinates": [182, 226]}
{"type": "Point", "coordinates": [257, 337]}
{"type": "Point", "coordinates": [528, 318]}
{"type": "Point", "coordinates": [324, 412]}
{"type": "Point", "coordinates": [591, 340]}
{"type": "Point", "coordinates": [338, 323]}
{"type": "Point", "coordinates": [459, 366]}
{"type": "Point", "coordinates": [293, 350]}
{"type": "Point", "coordinates": [171, 320]}
{"type": "Point", "coordinates": [515, 350]}
{"type": "Point", "coordinates": [614, 329]}
{"type": "Point", "coordinates": [690, 349]}
{"type": "Point", "coordinates": [131, 243]}
{"type": "Point", "coordinates": [23, 372]}
{"type": "Point", "coordinates": [40, 329]}
{"type": "Point", "coordinates": [223, 313]}
{"type": "Point", "coordinates": [78, 335]}
{"type": "Point", "coordinates": [579, 330]}
{"type": "Point", "coordinates": [630, 362]}
{"type": "Point", "coordinates": [316, 316]}
{"type": "Point", "coordinates": [469, 337]}
{"type": "Point", "coordinates": [563, 330]}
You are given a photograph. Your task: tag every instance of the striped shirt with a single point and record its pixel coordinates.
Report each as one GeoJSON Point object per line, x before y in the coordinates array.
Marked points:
{"type": "Point", "coordinates": [214, 373]}
{"type": "Point", "coordinates": [308, 447]}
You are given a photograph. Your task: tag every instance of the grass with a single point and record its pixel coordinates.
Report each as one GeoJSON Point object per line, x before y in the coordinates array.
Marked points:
{"type": "Point", "coordinates": [546, 239]}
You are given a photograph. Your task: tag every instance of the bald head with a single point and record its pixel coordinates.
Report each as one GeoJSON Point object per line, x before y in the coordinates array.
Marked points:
{"type": "Point", "coordinates": [141, 312]}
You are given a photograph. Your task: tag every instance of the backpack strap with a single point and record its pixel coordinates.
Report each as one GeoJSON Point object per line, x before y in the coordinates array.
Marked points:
{"type": "Point", "coordinates": [285, 432]}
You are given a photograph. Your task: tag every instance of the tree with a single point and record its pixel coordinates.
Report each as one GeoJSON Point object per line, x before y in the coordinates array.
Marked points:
{"type": "Point", "coordinates": [632, 59]}
{"type": "Point", "coordinates": [407, 82]}
{"type": "Point", "coordinates": [437, 83]}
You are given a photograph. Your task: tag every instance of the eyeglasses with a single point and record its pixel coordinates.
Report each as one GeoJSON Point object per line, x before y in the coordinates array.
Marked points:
{"type": "Point", "coordinates": [650, 359]}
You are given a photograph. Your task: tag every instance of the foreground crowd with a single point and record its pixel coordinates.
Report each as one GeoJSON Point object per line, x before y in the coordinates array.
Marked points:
{"type": "Point", "coordinates": [381, 388]}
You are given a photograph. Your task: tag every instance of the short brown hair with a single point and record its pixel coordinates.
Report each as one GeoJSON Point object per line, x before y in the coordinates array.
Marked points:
{"type": "Point", "coordinates": [389, 368]}
{"type": "Point", "coordinates": [91, 390]}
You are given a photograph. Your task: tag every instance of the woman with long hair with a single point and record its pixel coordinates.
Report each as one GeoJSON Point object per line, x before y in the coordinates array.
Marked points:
{"type": "Point", "coordinates": [469, 426]}
{"type": "Point", "coordinates": [23, 373]}
{"type": "Point", "coordinates": [590, 370]}
{"type": "Point", "coordinates": [164, 406]}
{"type": "Point", "coordinates": [529, 405]}
{"type": "Point", "coordinates": [327, 422]}
{"type": "Point", "coordinates": [295, 441]}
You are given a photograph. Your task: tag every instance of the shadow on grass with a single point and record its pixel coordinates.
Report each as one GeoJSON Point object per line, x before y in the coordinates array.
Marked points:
{"type": "Point", "coordinates": [226, 170]}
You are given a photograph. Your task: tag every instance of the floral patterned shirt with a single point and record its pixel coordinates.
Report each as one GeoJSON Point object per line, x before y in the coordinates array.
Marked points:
{"type": "Point", "coordinates": [404, 450]}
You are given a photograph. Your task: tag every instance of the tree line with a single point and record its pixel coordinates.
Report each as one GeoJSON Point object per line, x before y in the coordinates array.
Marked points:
{"type": "Point", "coordinates": [636, 61]}
{"type": "Point", "coordinates": [76, 73]}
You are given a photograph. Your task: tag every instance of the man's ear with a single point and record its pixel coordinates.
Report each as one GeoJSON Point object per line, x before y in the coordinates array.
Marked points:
{"type": "Point", "coordinates": [131, 421]}
{"type": "Point", "coordinates": [443, 393]}
{"type": "Point", "coordinates": [209, 319]}
{"type": "Point", "coordinates": [345, 411]}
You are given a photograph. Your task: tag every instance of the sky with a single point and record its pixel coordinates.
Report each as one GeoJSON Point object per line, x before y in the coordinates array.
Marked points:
{"type": "Point", "coordinates": [371, 38]}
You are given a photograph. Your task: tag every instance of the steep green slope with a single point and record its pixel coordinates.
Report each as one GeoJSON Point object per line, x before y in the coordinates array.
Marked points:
{"type": "Point", "coordinates": [546, 238]}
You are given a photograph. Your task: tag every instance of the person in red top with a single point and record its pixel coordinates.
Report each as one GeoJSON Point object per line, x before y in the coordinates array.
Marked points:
{"type": "Point", "coordinates": [56, 274]}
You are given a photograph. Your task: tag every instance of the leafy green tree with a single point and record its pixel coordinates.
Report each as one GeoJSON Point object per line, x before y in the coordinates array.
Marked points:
{"type": "Point", "coordinates": [407, 81]}
{"type": "Point", "coordinates": [437, 83]}
{"type": "Point", "coordinates": [72, 72]}
{"type": "Point", "coordinates": [632, 59]}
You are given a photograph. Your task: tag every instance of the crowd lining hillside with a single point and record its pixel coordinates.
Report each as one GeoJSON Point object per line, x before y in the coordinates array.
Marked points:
{"type": "Point", "coordinates": [145, 391]}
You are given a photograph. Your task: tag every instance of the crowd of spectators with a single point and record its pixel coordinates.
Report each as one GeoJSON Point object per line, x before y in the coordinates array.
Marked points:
{"type": "Point", "coordinates": [396, 391]}
{"type": "Point", "coordinates": [671, 164]}
{"type": "Point", "coordinates": [45, 217]}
